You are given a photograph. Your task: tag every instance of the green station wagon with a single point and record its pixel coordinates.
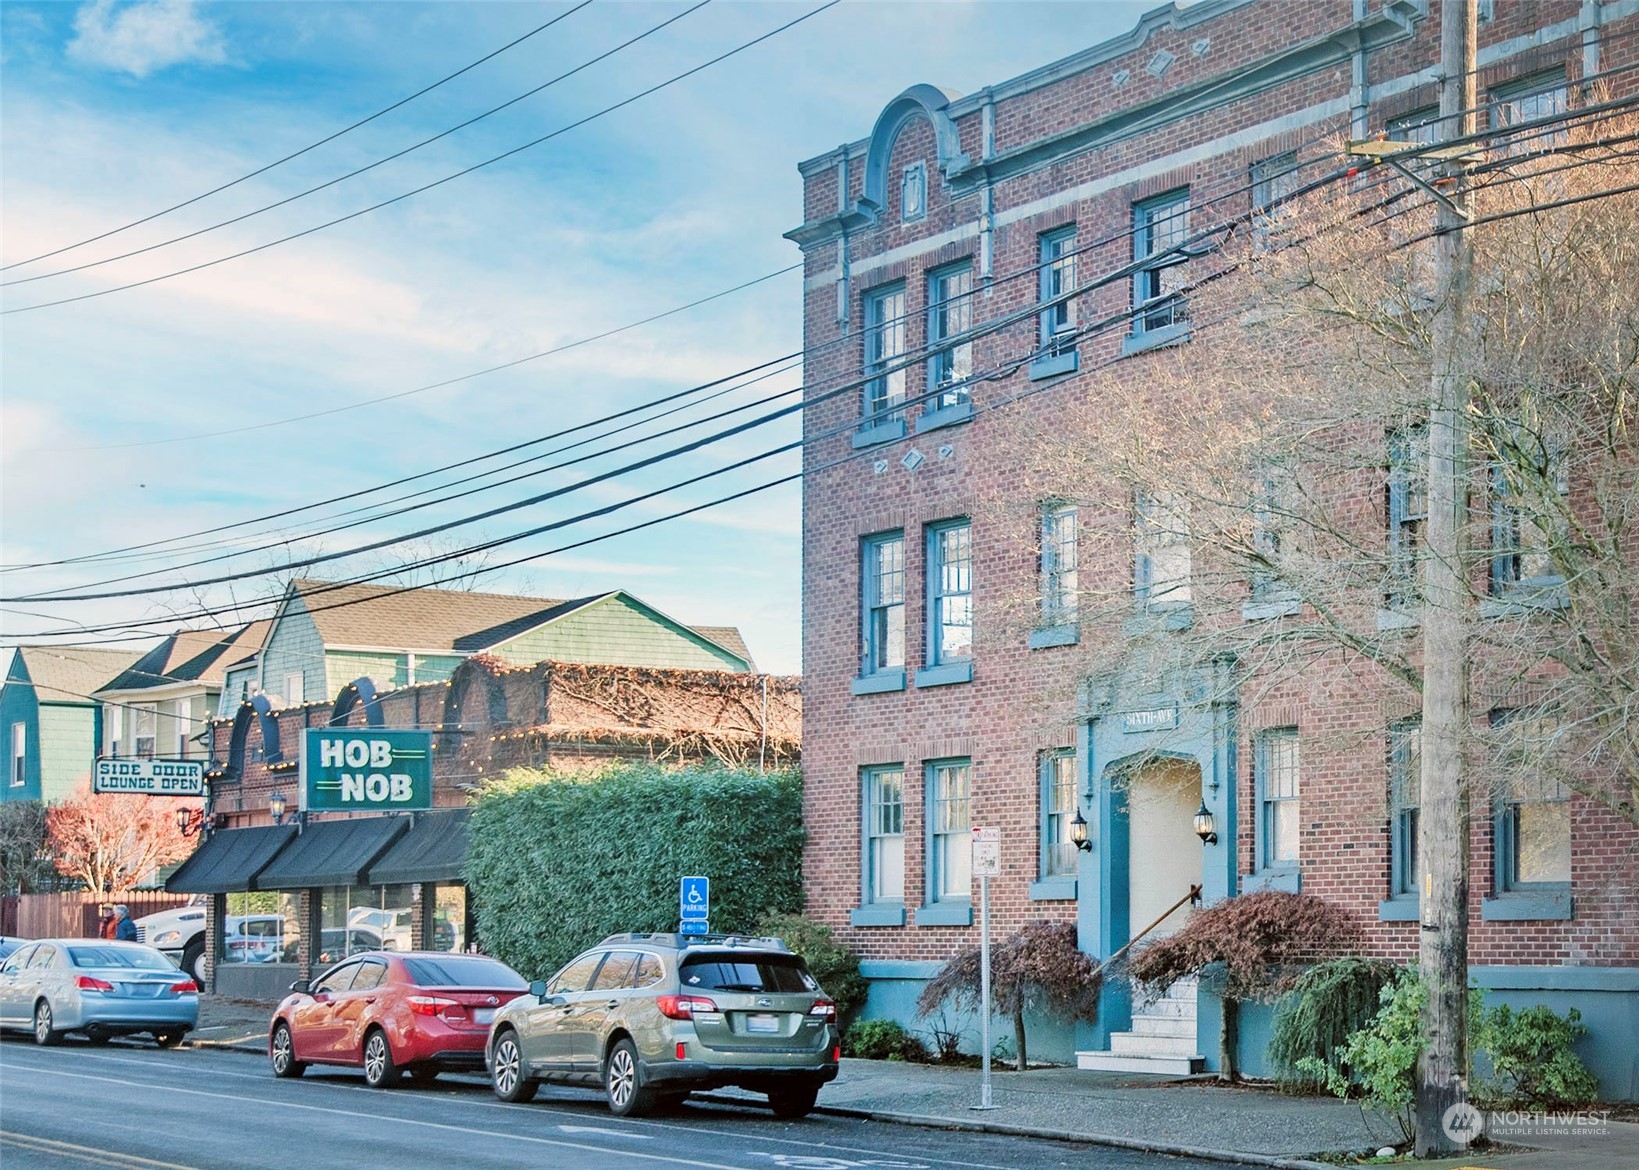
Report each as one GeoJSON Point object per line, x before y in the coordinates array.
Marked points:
{"type": "Point", "coordinates": [653, 1017]}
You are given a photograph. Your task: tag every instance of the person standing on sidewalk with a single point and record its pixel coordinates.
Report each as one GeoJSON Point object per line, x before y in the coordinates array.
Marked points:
{"type": "Point", "coordinates": [124, 929]}
{"type": "Point", "coordinates": [106, 924]}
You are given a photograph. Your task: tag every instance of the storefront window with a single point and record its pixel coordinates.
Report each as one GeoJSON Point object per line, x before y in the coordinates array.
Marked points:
{"type": "Point", "coordinates": [449, 931]}
{"type": "Point", "coordinates": [362, 918]}
{"type": "Point", "coordinates": [263, 927]}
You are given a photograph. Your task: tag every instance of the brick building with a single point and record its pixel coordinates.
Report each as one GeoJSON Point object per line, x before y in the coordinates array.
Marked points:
{"type": "Point", "coordinates": [973, 218]}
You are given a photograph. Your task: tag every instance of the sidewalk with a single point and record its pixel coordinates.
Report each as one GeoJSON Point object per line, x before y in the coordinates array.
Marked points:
{"type": "Point", "coordinates": [1190, 1118]}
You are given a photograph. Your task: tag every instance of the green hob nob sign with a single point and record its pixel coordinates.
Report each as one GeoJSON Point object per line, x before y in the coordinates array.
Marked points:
{"type": "Point", "coordinates": [366, 769]}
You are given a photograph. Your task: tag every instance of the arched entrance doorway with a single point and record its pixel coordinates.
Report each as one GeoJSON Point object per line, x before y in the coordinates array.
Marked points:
{"type": "Point", "coordinates": [1163, 853]}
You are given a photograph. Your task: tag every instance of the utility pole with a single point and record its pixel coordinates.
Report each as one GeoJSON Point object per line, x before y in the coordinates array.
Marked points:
{"type": "Point", "coordinates": [1443, 813]}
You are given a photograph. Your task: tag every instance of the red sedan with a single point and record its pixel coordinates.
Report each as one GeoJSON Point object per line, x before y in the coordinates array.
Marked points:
{"type": "Point", "coordinates": [392, 1011]}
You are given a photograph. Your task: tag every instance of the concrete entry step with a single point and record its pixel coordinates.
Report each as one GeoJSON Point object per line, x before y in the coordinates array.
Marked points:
{"type": "Point", "coordinates": [1135, 1044]}
{"type": "Point", "coordinates": [1111, 1062]}
{"type": "Point", "coordinates": [1164, 1026]}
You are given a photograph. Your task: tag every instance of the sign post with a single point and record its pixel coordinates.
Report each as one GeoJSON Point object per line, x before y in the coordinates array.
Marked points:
{"type": "Point", "coordinates": [694, 905]}
{"type": "Point", "coordinates": [987, 863]}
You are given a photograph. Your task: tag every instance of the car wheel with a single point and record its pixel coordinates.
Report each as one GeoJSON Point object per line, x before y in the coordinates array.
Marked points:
{"type": "Point", "coordinates": [506, 1071]}
{"type": "Point", "coordinates": [794, 1102]}
{"type": "Point", "coordinates": [168, 1039]}
{"type": "Point", "coordinates": [44, 1032]}
{"type": "Point", "coordinates": [623, 1082]}
{"type": "Point", "coordinates": [379, 1070]}
{"type": "Point", "coordinates": [281, 1051]}
{"type": "Point", "coordinates": [193, 962]}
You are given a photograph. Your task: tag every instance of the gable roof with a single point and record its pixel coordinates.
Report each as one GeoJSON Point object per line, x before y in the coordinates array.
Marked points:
{"type": "Point", "coordinates": [451, 619]}
{"type": "Point", "coordinates": [426, 619]}
{"type": "Point", "coordinates": [190, 656]}
{"type": "Point", "coordinates": [70, 674]}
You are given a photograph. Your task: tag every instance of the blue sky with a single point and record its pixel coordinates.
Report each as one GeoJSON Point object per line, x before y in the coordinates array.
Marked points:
{"type": "Point", "coordinates": [109, 112]}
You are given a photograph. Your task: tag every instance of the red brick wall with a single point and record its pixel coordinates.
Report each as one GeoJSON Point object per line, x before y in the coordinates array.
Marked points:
{"type": "Point", "coordinates": [1021, 701]}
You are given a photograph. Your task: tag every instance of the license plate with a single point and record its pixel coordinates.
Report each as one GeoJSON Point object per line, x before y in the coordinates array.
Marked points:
{"type": "Point", "coordinates": [483, 1015]}
{"type": "Point", "coordinates": [762, 1023]}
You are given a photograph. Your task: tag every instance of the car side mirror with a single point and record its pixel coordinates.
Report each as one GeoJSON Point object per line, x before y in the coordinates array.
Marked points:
{"type": "Point", "coordinates": [300, 986]}
{"type": "Point", "coordinates": [538, 990]}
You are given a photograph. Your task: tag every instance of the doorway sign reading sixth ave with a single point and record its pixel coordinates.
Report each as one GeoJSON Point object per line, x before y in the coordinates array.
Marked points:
{"type": "Point", "coordinates": [150, 777]}
{"type": "Point", "coordinates": [694, 905]}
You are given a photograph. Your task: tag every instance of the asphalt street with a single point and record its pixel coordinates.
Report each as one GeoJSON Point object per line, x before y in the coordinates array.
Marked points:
{"type": "Point", "coordinates": [136, 1107]}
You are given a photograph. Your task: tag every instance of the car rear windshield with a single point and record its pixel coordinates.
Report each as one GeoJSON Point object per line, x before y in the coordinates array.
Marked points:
{"type": "Point", "coordinates": [464, 971]}
{"type": "Point", "coordinates": [119, 957]}
{"type": "Point", "coordinates": [750, 973]}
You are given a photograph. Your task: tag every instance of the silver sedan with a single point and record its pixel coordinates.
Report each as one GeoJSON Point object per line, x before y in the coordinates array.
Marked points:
{"type": "Point", "coordinates": [96, 987]}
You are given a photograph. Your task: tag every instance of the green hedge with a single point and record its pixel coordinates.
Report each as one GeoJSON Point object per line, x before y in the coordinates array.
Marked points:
{"type": "Point", "coordinates": [558, 861]}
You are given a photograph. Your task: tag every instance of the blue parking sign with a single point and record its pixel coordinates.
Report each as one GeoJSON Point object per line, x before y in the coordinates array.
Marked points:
{"type": "Point", "coordinates": [693, 905]}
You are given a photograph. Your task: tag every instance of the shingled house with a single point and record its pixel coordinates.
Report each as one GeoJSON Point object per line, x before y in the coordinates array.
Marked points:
{"type": "Point", "coordinates": [52, 722]}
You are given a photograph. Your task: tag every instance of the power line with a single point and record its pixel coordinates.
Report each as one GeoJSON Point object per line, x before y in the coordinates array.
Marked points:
{"type": "Point", "coordinates": [368, 166]}
{"type": "Point", "coordinates": [447, 178]}
{"type": "Point", "coordinates": [304, 150]}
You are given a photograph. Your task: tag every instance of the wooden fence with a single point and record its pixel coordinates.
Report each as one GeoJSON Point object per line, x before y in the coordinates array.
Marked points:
{"type": "Point", "coordinates": [76, 915]}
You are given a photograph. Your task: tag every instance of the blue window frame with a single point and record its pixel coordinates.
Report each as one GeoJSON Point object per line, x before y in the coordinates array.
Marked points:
{"type": "Point", "coordinates": [1059, 588]}
{"type": "Point", "coordinates": [1057, 257]}
{"type": "Point", "coordinates": [1160, 229]}
{"type": "Point", "coordinates": [882, 580]}
{"type": "Point", "coordinates": [1278, 798]}
{"type": "Point", "coordinates": [1532, 808]}
{"type": "Point", "coordinates": [1274, 182]}
{"type": "Point", "coordinates": [884, 347]}
{"type": "Point", "coordinates": [1059, 802]}
{"type": "Point", "coordinates": [950, 837]}
{"type": "Point", "coordinates": [1407, 515]}
{"type": "Point", "coordinates": [1272, 518]}
{"type": "Point", "coordinates": [1529, 500]}
{"type": "Point", "coordinates": [950, 314]}
{"type": "Point", "coordinates": [1405, 795]}
{"type": "Point", "coordinates": [885, 834]}
{"type": "Point", "coordinates": [1162, 568]}
{"type": "Point", "coordinates": [950, 593]}
{"type": "Point", "coordinates": [1527, 100]}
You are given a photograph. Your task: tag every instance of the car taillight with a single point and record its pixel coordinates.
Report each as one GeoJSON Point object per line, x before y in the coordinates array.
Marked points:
{"type": "Point", "coordinates": [825, 1009]}
{"type": "Point", "coordinates": [430, 1005]}
{"type": "Point", "coordinates": [87, 983]}
{"type": "Point", "coordinates": [186, 987]}
{"type": "Point", "coordinates": [683, 1007]}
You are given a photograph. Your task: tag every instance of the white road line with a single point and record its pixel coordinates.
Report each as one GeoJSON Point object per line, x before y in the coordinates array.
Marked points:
{"type": "Point", "coordinates": [356, 1115]}
{"type": "Point", "coordinates": [41, 1145]}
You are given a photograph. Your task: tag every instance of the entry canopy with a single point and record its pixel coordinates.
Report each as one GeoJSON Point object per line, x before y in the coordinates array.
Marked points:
{"type": "Point", "coordinates": [433, 850]}
{"type": "Point", "coordinates": [230, 861]}
{"type": "Point", "coordinates": [332, 853]}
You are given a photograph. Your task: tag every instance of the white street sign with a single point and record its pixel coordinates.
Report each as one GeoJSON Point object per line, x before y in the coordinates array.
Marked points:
{"type": "Point", "coordinates": [987, 853]}
{"type": "Point", "coordinates": [150, 777]}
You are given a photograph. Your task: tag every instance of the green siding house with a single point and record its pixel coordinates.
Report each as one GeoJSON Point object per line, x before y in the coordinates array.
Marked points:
{"type": "Point", "coordinates": [51, 722]}
{"type": "Point", "coordinates": [327, 635]}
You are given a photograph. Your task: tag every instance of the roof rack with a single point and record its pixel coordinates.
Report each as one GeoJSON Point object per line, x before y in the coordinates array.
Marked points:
{"type": "Point", "coordinates": [684, 941]}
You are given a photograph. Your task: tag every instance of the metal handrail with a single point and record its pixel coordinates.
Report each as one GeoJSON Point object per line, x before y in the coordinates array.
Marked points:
{"type": "Point", "coordinates": [1193, 896]}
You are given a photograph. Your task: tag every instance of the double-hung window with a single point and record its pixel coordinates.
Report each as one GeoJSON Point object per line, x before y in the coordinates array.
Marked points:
{"type": "Point", "coordinates": [949, 604]}
{"type": "Point", "coordinates": [1160, 231]}
{"type": "Point", "coordinates": [950, 845]}
{"type": "Point", "coordinates": [1276, 777]}
{"type": "Point", "coordinates": [184, 727]}
{"type": "Point", "coordinates": [1161, 558]}
{"type": "Point", "coordinates": [1407, 515]}
{"type": "Point", "coordinates": [1057, 257]}
{"type": "Point", "coordinates": [113, 719]}
{"type": "Point", "coordinates": [1059, 590]}
{"type": "Point", "coordinates": [146, 719]}
{"type": "Point", "coordinates": [1058, 809]}
{"type": "Point", "coordinates": [1405, 794]}
{"type": "Point", "coordinates": [883, 807]}
{"type": "Point", "coordinates": [884, 350]}
{"type": "Point", "coordinates": [1274, 510]}
{"type": "Point", "coordinates": [950, 314]}
{"type": "Point", "coordinates": [1528, 100]}
{"type": "Point", "coordinates": [1274, 182]}
{"type": "Point", "coordinates": [19, 754]}
{"type": "Point", "coordinates": [1531, 821]}
{"type": "Point", "coordinates": [1530, 490]}
{"type": "Point", "coordinates": [882, 613]}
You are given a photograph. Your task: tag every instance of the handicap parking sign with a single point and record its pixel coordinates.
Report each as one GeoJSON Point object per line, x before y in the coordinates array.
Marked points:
{"type": "Point", "coordinates": [694, 904]}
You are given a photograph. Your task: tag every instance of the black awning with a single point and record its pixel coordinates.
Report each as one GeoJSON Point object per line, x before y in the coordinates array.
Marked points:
{"type": "Point", "coordinates": [230, 860]}
{"type": "Point", "coordinates": [332, 853]}
{"type": "Point", "coordinates": [433, 850]}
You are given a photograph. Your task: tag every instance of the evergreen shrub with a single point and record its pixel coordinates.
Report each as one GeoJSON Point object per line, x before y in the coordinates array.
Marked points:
{"type": "Point", "coordinates": [559, 860]}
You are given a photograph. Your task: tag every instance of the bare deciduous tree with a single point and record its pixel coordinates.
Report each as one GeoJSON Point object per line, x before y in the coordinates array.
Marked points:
{"type": "Point", "coordinates": [110, 841]}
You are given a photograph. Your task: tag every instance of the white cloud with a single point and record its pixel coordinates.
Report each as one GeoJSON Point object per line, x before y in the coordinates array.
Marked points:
{"type": "Point", "coordinates": [141, 38]}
